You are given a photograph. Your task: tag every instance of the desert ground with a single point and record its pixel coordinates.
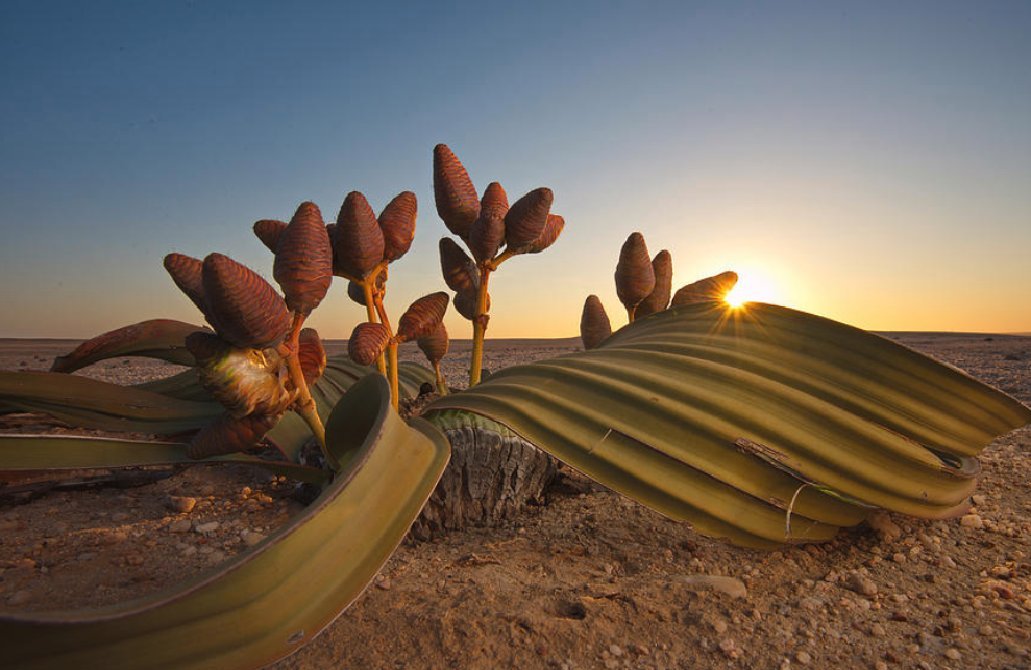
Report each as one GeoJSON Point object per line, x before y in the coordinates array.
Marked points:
{"type": "Point", "coordinates": [586, 580]}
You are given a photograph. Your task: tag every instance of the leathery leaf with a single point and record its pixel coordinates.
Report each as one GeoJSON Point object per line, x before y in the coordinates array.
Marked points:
{"type": "Point", "coordinates": [268, 602]}
{"type": "Point", "coordinates": [760, 425]}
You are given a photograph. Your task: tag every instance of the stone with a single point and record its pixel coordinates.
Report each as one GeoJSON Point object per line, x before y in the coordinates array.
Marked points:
{"type": "Point", "coordinates": [803, 657]}
{"type": "Point", "coordinates": [861, 584]}
{"type": "Point", "coordinates": [181, 504]}
{"type": "Point", "coordinates": [208, 527]}
{"type": "Point", "coordinates": [886, 529]}
{"type": "Point", "coordinates": [180, 526]}
{"type": "Point", "coordinates": [971, 521]}
{"type": "Point", "coordinates": [732, 586]}
{"type": "Point", "coordinates": [250, 538]}
{"type": "Point", "coordinates": [615, 650]}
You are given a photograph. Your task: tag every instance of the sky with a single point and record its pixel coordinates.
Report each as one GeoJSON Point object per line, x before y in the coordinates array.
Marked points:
{"type": "Point", "coordinates": [869, 162]}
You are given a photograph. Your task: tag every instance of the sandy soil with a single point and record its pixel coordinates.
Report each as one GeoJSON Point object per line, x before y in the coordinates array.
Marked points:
{"type": "Point", "coordinates": [589, 580]}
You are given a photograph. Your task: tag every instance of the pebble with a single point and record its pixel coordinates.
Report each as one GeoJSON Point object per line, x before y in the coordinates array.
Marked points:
{"type": "Point", "coordinates": [729, 647]}
{"type": "Point", "coordinates": [209, 527]}
{"type": "Point", "coordinates": [861, 584]}
{"type": "Point", "coordinates": [971, 521]}
{"type": "Point", "coordinates": [886, 529]}
{"type": "Point", "coordinates": [880, 665]}
{"type": "Point", "coordinates": [730, 585]}
{"type": "Point", "coordinates": [180, 526]}
{"type": "Point", "coordinates": [953, 654]}
{"type": "Point", "coordinates": [250, 538]}
{"type": "Point", "coordinates": [181, 504]}
{"type": "Point", "coordinates": [803, 657]}
{"type": "Point", "coordinates": [615, 650]}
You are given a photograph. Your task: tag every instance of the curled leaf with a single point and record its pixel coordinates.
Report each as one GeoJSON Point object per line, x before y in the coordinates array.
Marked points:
{"type": "Point", "coordinates": [422, 316]}
{"type": "Point", "coordinates": [304, 260]}
{"type": "Point", "coordinates": [552, 229]}
{"type": "Point", "coordinates": [312, 355]}
{"type": "Point", "coordinates": [595, 327]}
{"type": "Point", "coordinates": [658, 299]}
{"type": "Point", "coordinates": [713, 288]}
{"type": "Point", "coordinates": [457, 202]}
{"type": "Point", "coordinates": [397, 220]}
{"type": "Point", "coordinates": [358, 243]}
{"type": "Point", "coordinates": [269, 231]}
{"type": "Point", "coordinates": [488, 231]}
{"type": "Point", "coordinates": [186, 273]}
{"type": "Point", "coordinates": [465, 303]}
{"type": "Point", "coordinates": [635, 276]}
{"type": "Point", "coordinates": [229, 434]}
{"type": "Point", "coordinates": [156, 338]}
{"type": "Point", "coordinates": [245, 381]}
{"type": "Point", "coordinates": [526, 219]}
{"type": "Point", "coordinates": [368, 341]}
{"type": "Point", "coordinates": [460, 272]}
{"type": "Point", "coordinates": [435, 343]}
{"type": "Point", "coordinates": [244, 309]}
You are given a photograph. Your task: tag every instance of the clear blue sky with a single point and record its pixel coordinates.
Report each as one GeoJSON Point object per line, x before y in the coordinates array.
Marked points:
{"type": "Point", "coordinates": [866, 161]}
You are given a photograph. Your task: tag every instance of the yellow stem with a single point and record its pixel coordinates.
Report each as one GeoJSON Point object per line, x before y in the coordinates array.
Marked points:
{"type": "Point", "coordinates": [631, 312]}
{"type": "Point", "coordinates": [499, 259]}
{"type": "Point", "coordinates": [480, 319]}
{"type": "Point", "coordinates": [370, 308]}
{"type": "Point", "coordinates": [305, 403]}
{"type": "Point", "coordinates": [441, 382]}
{"type": "Point", "coordinates": [392, 353]}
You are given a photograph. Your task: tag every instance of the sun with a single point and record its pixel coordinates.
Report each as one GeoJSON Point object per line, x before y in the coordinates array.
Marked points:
{"type": "Point", "coordinates": [753, 285]}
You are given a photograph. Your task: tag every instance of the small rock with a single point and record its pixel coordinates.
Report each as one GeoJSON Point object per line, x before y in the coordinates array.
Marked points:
{"type": "Point", "coordinates": [732, 586]}
{"type": "Point", "coordinates": [180, 526]}
{"type": "Point", "coordinates": [615, 650]}
{"type": "Point", "coordinates": [250, 538]}
{"type": "Point", "coordinates": [886, 529]}
{"type": "Point", "coordinates": [383, 583]}
{"type": "Point", "coordinates": [880, 665]}
{"type": "Point", "coordinates": [978, 499]}
{"type": "Point", "coordinates": [971, 521]}
{"type": "Point", "coordinates": [953, 654]}
{"type": "Point", "coordinates": [729, 647]}
{"type": "Point", "coordinates": [209, 527]}
{"type": "Point", "coordinates": [134, 559]}
{"type": "Point", "coordinates": [216, 556]}
{"type": "Point", "coordinates": [803, 658]}
{"type": "Point", "coordinates": [189, 550]}
{"type": "Point", "coordinates": [181, 504]}
{"type": "Point", "coordinates": [861, 584]}
{"type": "Point", "coordinates": [720, 626]}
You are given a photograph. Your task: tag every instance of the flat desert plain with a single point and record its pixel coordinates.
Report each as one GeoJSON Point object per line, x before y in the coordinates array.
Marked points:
{"type": "Point", "coordinates": [588, 579]}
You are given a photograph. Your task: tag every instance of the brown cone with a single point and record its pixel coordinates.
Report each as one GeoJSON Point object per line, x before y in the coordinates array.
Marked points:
{"type": "Point", "coordinates": [422, 316]}
{"type": "Point", "coordinates": [304, 260]}
{"type": "Point", "coordinates": [635, 276]}
{"type": "Point", "coordinates": [710, 289]}
{"type": "Point", "coordinates": [488, 231]}
{"type": "Point", "coordinates": [356, 293]}
{"type": "Point", "coordinates": [268, 231]}
{"type": "Point", "coordinates": [460, 273]}
{"type": "Point", "coordinates": [552, 229]}
{"type": "Point", "coordinates": [186, 273]}
{"type": "Point", "coordinates": [456, 198]}
{"type": "Point", "coordinates": [358, 245]}
{"type": "Point", "coordinates": [368, 341]}
{"type": "Point", "coordinates": [311, 354]}
{"type": "Point", "coordinates": [398, 224]}
{"type": "Point", "coordinates": [435, 343]}
{"type": "Point", "coordinates": [594, 323]}
{"type": "Point", "coordinates": [245, 310]}
{"type": "Point", "coordinates": [228, 435]}
{"type": "Point", "coordinates": [465, 303]}
{"type": "Point", "coordinates": [526, 219]}
{"type": "Point", "coordinates": [658, 299]}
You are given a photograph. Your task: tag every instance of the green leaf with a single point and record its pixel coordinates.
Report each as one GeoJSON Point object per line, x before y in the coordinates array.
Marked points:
{"type": "Point", "coordinates": [737, 420]}
{"type": "Point", "coordinates": [266, 603]}
{"type": "Point", "coordinates": [157, 338]}
{"type": "Point", "coordinates": [184, 385]}
{"type": "Point", "coordinates": [89, 403]}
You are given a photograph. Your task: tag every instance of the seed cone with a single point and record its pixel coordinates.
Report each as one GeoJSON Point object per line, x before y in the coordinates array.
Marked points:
{"type": "Point", "coordinates": [435, 343]}
{"type": "Point", "coordinates": [243, 308]}
{"type": "Point", "coordinates": [186, 273]}
{"type": "Point", "coordinates": [244, 381]}
{"type": "Point", "coordinates": [465, 303]}
{"type": "Point", "coordinates": [526, 219]}
{"type": "Point", "coordinates": [552, 229]}
{"type": "Point", "coordinates": [460, 272]}
{"type": "Point", "coordinates": [368, 341]}
{"type": "Point", "coordinates": [397, 222]}
{"type": "Point", "coordinates": [658, 299]}
{"type": "Point", "coordinates": [268, 231]}
{"type": "Point", "coordinates": [311, 354]}
{"type": "Point", "coordinates": [228, 434]}
{"type": "Point", "coordinates": [422, 316]}
{"type": "Point", "coordinates": [635, 276]}
{"type": "Point", "coordinates": [488, 231]}
{"type": "Point", "coordinates": [304, 260]}
{"type": "Point", "coordinates": [594, 323]}
{"type": "Point", "coordinates": [358, 243]}
{"type": "Point", "coordinates": [457, 202]}
{"type": "Point", "coordinates": [705, 290]}
{"type": "Point", "coordinates": [357, 294]}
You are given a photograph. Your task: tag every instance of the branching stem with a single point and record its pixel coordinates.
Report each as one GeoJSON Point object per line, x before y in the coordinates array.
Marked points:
{"type": "Point", "coordinates": [305, 403]}
{"type": "Point", "coordinates": [480, 320]}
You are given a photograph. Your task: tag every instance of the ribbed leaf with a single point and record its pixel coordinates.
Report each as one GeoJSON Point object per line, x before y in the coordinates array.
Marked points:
{"type": "Point", "coordinates": [164, 339]}
{"type": "Point", "coordinates": [268, 602]}
{"type": "Point", "coordinates": [184, 386]}
{"type": "Point", "coordinates": [739, 420]}
{"type": "Point", "coordinates": [89, 403]}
